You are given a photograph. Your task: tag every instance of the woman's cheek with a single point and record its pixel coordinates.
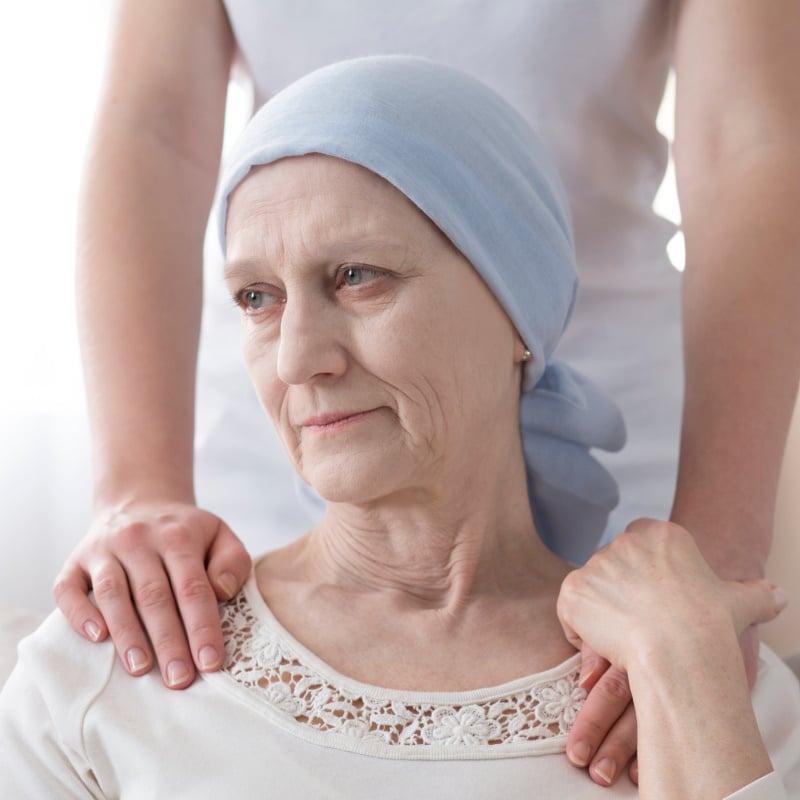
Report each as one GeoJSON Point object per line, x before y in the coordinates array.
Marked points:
{"type": "Point", "coordinates": [260, 358]}
{"type": "Point", "coordinates": [258, 339]}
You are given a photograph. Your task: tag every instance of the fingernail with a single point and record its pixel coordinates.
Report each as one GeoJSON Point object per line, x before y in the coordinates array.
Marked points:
{"type": "Point", "coordinates": [228, 583]}
{"type": "Point", "coordinates": [92, 630]}
{"type": "Point", "coordinates": [605, 769]}
{"type": "Point", "coordinates": [587, 673]}
{"type": "Point", "coordinates": [208, 657]}
{"type": "Point", "coordinates": [781, 599]}
{"type": "Point", "coordinates": [176, 673]}
{"type": "Point", "coordinates": [580, 753]}
{"type": "Point", "coordinates": [136, 658]}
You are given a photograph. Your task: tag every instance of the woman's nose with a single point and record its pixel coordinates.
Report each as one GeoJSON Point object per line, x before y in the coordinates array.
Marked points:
{"type": "Point", "coordinates": [311, 342]}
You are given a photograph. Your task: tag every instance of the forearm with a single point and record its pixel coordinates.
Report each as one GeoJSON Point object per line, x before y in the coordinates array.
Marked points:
{"type": "Point", "coordinates": [148, 183]}
{"type": "Point", "coordinates": [697, 733]}
{"type": "Point", "coordinates": [741, 328]}
{"type": "Point", "coordinates": [139, 299]}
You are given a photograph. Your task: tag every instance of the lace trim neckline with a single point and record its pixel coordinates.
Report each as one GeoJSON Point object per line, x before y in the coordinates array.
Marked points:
{"type": "Point", "coordinates": [277, 675]}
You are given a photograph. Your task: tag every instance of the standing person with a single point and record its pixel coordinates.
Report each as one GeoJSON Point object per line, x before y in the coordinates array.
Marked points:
{"type": "Point", "coordinates": [591, 80]}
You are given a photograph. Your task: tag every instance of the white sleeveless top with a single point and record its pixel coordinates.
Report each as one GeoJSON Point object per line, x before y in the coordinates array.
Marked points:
{"type": "Point", "coordinates": [590, 78]}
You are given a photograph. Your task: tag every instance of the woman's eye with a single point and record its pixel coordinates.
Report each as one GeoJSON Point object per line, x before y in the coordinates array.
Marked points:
{"type": "Point", "coordinates": [354, 276]}
{"type": "Point", "coordinates": [254, 300]}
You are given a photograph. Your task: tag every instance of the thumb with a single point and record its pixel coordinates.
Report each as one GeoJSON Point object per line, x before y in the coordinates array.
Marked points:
{"type": "Point", "coordinates": [755, 602]}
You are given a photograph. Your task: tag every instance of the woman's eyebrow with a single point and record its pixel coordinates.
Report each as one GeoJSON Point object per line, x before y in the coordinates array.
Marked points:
{"type": "Point", "coordinates": [243, 269]}
{"type": "Point", "coordinates": [390, 251]}
{"type": "Point", "coordinates": [247, 268]}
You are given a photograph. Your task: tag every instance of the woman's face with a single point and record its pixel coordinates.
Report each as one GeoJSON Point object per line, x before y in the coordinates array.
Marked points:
{"type": "Point", "coordinates": [380, 355]}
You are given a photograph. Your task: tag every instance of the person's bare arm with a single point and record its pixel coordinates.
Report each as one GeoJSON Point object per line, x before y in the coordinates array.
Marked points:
{"type": "Point", "coordinates": [737, 156]}
{"type": "Point", "coordinates": [148, 182]}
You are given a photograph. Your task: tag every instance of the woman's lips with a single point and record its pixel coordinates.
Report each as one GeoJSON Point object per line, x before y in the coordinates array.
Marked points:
{"type": "Point", "coordinates": [334, 422]}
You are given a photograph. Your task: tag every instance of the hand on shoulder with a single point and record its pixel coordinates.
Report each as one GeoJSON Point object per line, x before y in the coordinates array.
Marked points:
{"type": "Point", "coordinates": [157, 570]}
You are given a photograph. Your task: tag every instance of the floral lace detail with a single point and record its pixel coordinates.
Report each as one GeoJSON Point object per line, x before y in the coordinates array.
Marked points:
{"type": "Point", "coordinates": [261, 659]}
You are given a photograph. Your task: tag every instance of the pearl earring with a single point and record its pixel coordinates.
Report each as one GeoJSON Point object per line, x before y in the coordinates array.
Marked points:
{"type": "Point", "coordinates": [527, 355]}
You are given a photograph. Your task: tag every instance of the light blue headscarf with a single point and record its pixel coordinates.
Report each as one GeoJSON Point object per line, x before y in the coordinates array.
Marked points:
{"type": "Point", "coordinates": [473, 165]}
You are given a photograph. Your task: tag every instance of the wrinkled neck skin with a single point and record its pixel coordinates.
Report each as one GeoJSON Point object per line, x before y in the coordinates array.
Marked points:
{"type": "Point", "coordinates": [466, 535]}
{"type": "Point", "coordinates": [405, 590]}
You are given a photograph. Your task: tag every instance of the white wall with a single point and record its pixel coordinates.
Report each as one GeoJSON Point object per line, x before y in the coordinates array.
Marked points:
{"type": "Point", "coordinates": [50, 57]}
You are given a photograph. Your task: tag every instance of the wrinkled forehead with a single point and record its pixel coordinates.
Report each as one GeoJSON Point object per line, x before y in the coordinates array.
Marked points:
{"type": "Point", "coordinates": [316, 181]}
{"type": "Point", "coordinates": [329, 200]}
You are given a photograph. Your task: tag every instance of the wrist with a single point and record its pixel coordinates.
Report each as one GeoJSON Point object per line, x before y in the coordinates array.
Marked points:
{"type": "Point", "coordinates": [697, 732]}
{"type": "Point", "coordinates": [664, 656]}
{"type": "Point", "coordinates": [121, 490]}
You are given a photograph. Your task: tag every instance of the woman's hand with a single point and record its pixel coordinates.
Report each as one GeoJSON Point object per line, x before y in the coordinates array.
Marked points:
{"type": "Point", "coordinates": [603, 737]}
{"type": "Point", "coordinates": [648, 590]}
{"type": "Point", "coordinates": [157, 571]}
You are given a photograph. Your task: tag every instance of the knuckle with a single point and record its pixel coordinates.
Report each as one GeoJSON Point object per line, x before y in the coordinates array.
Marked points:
{"type": "Point", "coordinates": [75, 614]}
{"type": "Point", "coordinates": [152, 594]}
{"type": "Point", "coordinates": [177, 538]}
{"type": "Point", "coordinates": [570, 586]}
{"type": "Point", "coordinates": [591, 662]}
{"type": "Point", "coordinates": [63, 586]}
{"type": "Point", "coordinates": [108, 588]}
{"type": "Point", "coordinates": [591, 729]}
{"type": "Point", "coordinates": [643, 524]}
{"type": "Point", "coordinates": [238, 552]}
{"type": "Point", "coordinates": [665, 532]}
{"type": "Point", "coordinates": [168, 643]}
{"type": "Point", "coordinates": [130, 535]}
{"type": "Point", "coordinates": [614, 685]}
{"type": "Point", "coordinates": [194, 588]}
{"type": "Point", "coordinates": [125, 632]}
{"type": "Point", "coordinates": [569, 581]}
{"type": "Point", "coordinates": [204, 632]}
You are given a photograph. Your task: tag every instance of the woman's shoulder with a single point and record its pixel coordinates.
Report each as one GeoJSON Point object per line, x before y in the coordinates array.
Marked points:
{"type": "Point", "coordinates": [68, 671]}
{"type": "Point", "coordinates": [43, 708]}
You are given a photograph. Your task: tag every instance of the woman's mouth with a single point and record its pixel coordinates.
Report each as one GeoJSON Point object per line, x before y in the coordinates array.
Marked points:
{"type": "Point", "coordinates": [326, 423]}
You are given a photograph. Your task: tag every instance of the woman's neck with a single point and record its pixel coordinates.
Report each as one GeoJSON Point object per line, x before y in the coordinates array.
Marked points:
{"type": "Point", "coordinates": [444, 590]}
{"type": "Point", "coordinates": [427, 603]}
{"type": "Point", "coordinates": [441, 547]}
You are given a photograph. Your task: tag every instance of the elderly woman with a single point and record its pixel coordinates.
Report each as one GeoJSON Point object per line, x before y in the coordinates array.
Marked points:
{"type": "Point", "coordinates": [399, 247]}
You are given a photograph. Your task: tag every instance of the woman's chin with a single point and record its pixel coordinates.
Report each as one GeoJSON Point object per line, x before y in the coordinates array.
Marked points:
{"type": "Point", "coordinates": [342, 482]}
{"type": "Point", "coordinates": [335, 491]}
